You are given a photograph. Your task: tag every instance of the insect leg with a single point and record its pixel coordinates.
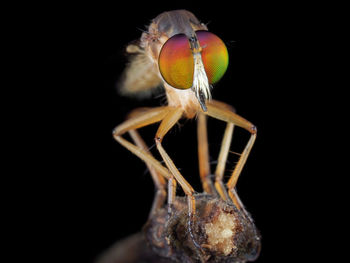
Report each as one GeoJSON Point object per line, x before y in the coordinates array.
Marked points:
{"type": "Point", "coordinates": [221, 112]}
{"type": "Point", "coordinates": [203, 154]}
{"type": "Point", "coordinates": [167, 123]}
{"type": "Point", "coordinates": [140, 120]}
{"type": "Point", "coordinates": [171, 194]}
{"type": "Point", "coordinates": [220, 168]}
{"type": "Point", "coordinates": [158, 180]}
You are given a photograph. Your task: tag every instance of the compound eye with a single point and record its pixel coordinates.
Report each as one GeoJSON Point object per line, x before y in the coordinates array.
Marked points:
{"type": "Point", "coordinates": [176, 62]}
{"type": "Point", "coordinates": [176, 59]}
{"type": "Point", "coordinates": [214, 55]}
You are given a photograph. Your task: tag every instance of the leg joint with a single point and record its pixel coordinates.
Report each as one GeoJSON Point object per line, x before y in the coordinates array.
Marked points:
{"type": "Point", "coordinates": [253, 129]}
{"type": "Point", "coordinates": [116, 135]}
{"type": "Point", "coordinates": [117, 132]}
{"type": "Point", "coordinates": [158, 139]}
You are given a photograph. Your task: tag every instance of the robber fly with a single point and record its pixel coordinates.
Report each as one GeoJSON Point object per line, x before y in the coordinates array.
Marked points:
{"type": "Point", "coordinates": [180, 54]}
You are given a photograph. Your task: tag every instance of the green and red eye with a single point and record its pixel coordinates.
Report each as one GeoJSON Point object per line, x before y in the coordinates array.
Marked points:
{"type": "Point", "coordinates": [176, 60]}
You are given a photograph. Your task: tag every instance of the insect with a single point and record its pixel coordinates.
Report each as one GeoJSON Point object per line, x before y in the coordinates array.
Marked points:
{"type": "Point", "coordinates": [179, 53]}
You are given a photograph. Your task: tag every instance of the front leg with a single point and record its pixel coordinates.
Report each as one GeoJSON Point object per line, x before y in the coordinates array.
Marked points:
{"type": "Point", "coordinates": [137, 120]}
{"type": "Point", "coordinates": [168, 122]}
{"type": "Point", "coordinates": [221, 111]}
{"type": "Point", "coordinates": [203, 154]}
{"type": "Point", "coordinates": [159, 181]}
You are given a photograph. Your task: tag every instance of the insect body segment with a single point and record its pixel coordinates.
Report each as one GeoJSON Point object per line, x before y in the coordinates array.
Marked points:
{"type": "Point", "coordinates": [179, 51]}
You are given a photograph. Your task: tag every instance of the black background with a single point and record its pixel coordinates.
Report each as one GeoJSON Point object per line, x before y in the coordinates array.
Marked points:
{"type": "Point", "coordinates": [104, 193]}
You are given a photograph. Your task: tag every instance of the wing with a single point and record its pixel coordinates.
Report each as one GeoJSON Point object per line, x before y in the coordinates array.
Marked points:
{"type": "Point", "coordinates": [141, 77]}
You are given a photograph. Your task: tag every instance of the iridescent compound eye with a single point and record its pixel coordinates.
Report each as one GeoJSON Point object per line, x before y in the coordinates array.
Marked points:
{"type": "Point", "coordinates": [176, 59]}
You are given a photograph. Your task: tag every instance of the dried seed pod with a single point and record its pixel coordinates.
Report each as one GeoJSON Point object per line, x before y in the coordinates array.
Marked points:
{"type": "Point", "coordinates": [221, 232]}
